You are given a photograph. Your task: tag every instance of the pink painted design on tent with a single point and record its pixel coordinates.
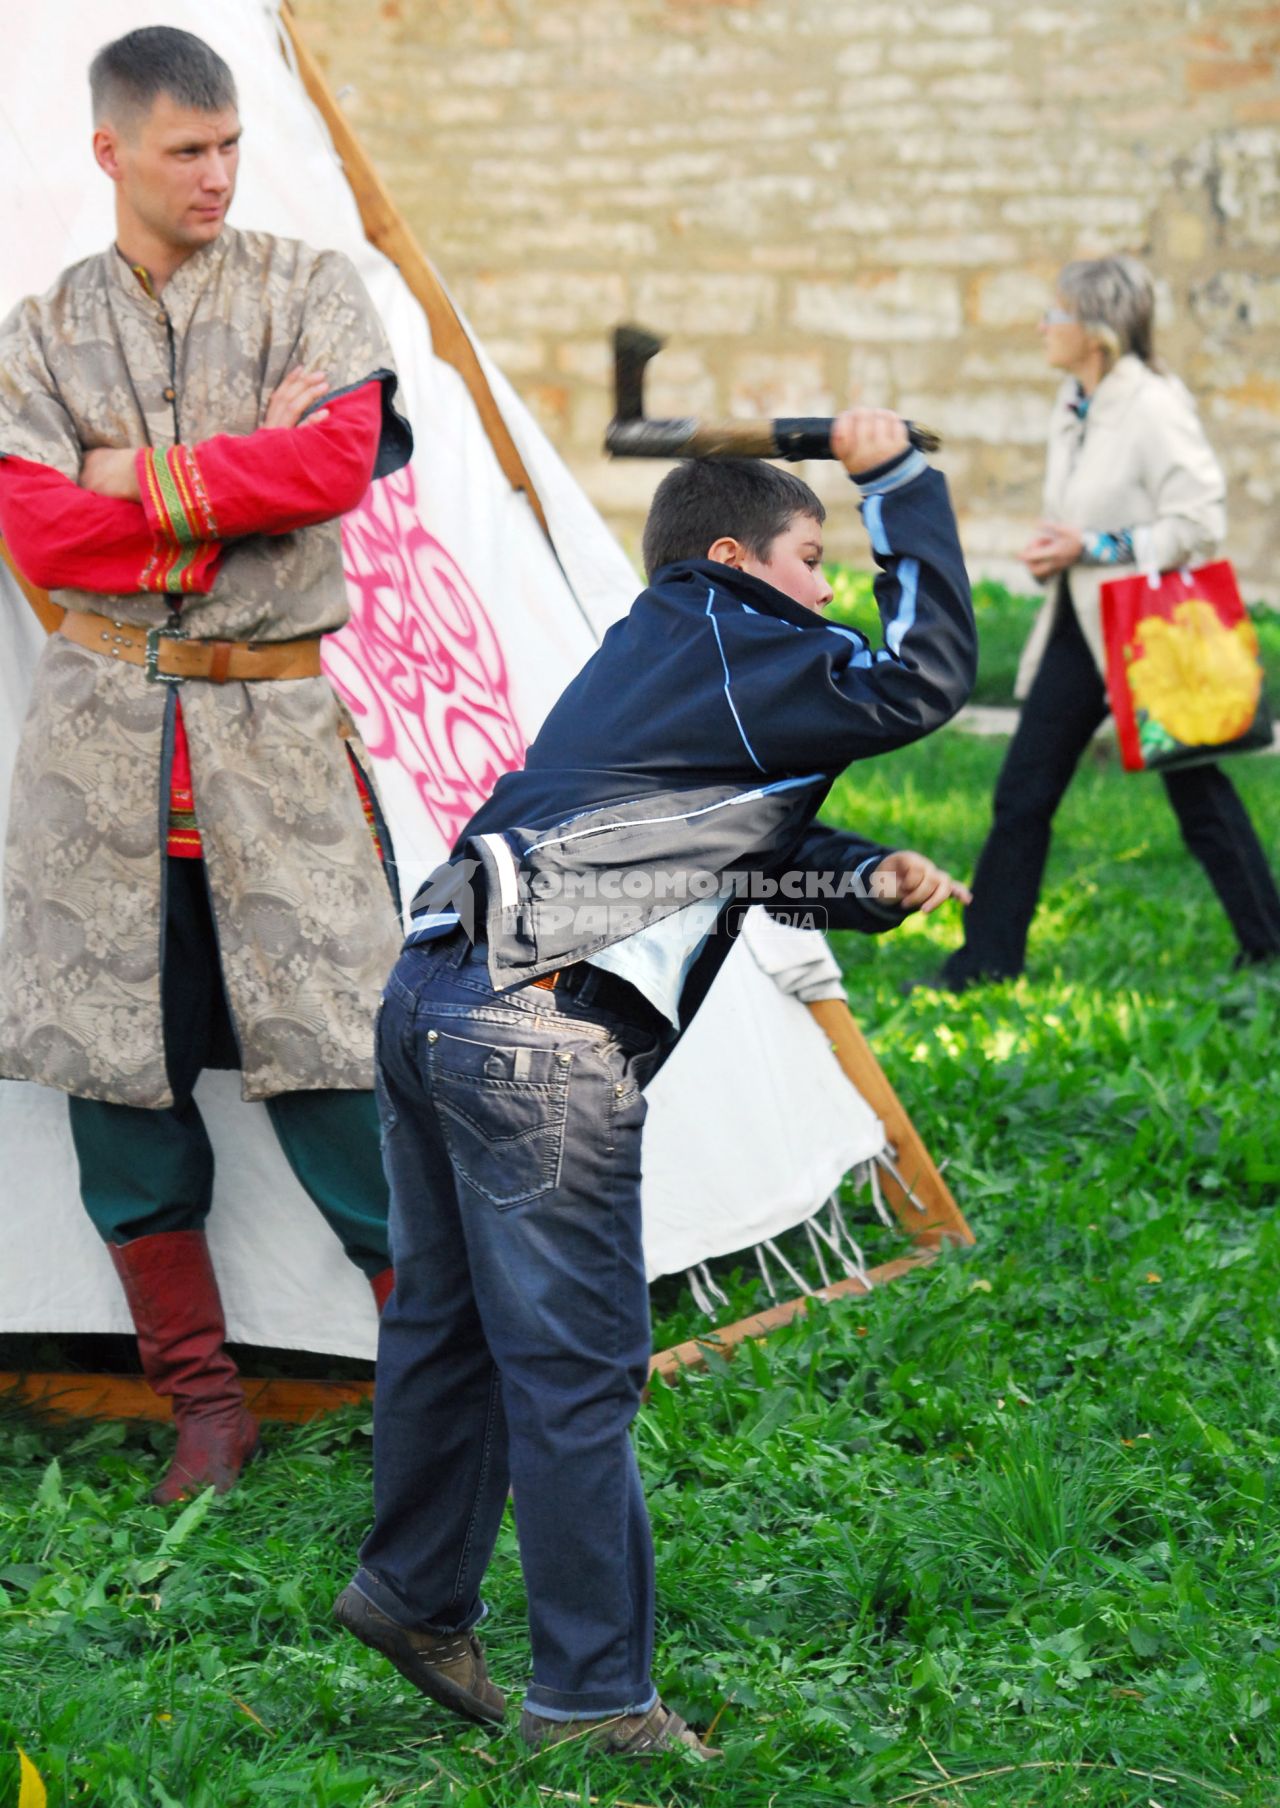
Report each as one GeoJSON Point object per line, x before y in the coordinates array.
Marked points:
{"type": "Point", "coordinates": [420, 664]}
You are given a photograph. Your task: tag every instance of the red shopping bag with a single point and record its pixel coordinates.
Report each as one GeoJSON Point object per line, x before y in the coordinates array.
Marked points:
{"type": "Point", "coordinates": [1183, 670]}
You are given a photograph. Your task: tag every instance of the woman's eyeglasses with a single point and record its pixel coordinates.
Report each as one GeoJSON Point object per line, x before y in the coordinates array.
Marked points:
{"type": "Point", "coordinates": [1057, 317]}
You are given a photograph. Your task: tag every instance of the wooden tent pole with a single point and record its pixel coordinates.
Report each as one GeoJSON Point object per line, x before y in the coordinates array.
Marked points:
{"type": "Point", "coordinates": [940, 1220]}
{"type": "Point", "coordinates": [386, 227]}
{"type": "Point", "coordinates": [48, 612]}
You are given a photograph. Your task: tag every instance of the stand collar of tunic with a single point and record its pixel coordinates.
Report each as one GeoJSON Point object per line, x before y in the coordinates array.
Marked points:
{"type": "Point", "coordinates": [178, 299]}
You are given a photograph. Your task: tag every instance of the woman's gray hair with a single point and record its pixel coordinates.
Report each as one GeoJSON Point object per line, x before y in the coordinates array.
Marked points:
{"type": "Point", "coordinates": [1115, 298]}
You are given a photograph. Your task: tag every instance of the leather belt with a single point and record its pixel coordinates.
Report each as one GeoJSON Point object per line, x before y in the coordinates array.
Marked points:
{"type": "Point", "coordinates": [595, 986]}
{"type": "Point", "coordinates": [168, 656]}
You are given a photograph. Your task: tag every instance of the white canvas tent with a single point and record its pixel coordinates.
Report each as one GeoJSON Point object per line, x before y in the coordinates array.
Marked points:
{"type": "Point", "coordinates": [472, 606]}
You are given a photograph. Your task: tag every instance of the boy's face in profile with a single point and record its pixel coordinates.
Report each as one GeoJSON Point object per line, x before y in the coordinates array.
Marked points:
{"type": "Point", "coordinates": [793, 565]}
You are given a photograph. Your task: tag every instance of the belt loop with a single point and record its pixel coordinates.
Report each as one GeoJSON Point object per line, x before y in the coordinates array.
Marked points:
{"type": "Point", "coordinates": [219, 661]}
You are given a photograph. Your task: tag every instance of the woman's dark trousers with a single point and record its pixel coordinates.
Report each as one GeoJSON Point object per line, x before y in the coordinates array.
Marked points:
{"type": "Point", "coordinates": [1066, 705]}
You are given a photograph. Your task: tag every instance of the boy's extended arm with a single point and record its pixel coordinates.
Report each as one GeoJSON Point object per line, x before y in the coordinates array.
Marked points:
{"type": "Point", "coordinates": [830, 870]}
{"type": "Point", "coordinates": [859, 884]}
{"type": "Point", "coordinates": [824, 700]}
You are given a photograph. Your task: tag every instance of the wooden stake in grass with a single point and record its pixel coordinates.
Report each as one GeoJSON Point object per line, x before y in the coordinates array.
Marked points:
{"type": "Point", "coordinates": [256, 1718]}
{"type": "Point", "coordinates": [920, 1197]}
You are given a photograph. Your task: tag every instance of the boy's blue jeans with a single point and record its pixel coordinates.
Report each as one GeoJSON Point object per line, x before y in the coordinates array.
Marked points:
{"type": "Point", "coordinates": [516, 1345]}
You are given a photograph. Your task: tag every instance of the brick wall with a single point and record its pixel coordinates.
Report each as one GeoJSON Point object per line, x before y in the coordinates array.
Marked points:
{"type": "Point", "coordinates": [819, 197]}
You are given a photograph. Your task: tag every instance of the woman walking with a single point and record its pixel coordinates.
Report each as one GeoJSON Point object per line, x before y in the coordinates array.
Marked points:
{"type": "Point", "coordinates": [1130, 482]}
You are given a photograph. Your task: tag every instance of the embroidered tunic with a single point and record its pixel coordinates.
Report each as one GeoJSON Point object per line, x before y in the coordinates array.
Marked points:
{"type": "Point", "coordinates": [238, 523]}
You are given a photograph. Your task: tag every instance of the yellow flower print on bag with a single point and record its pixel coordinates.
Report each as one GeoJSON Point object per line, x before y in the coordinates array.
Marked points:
{"type": "Point", "coordinates": [1183, 673]}
{"type": "Point", "coordinates": [1194, 677]}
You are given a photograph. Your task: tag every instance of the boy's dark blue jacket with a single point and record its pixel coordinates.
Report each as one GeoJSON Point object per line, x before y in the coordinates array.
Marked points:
{"type": "Point", "coordinates": [697, 743]}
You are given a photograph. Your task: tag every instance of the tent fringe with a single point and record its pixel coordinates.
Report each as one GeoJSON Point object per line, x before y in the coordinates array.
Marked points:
{"type": "Point", "coordinates": [298, 1402]}
{"type": "Point", "coordinates": [927, 1198]}
{"type": "Point", "coordinates": [726, 1338]}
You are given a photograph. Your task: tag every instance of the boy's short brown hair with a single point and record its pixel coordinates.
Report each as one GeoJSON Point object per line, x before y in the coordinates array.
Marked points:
{"type": "Point", "coordinates": [706, 499]}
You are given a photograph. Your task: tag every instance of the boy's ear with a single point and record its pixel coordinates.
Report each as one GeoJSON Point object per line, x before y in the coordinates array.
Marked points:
{"type": "Point", "coordinates": [727, 551]}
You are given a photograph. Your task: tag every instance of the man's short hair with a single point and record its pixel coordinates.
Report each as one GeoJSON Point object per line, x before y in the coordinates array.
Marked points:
{"type": "Point", "coordinates": [127, 76]}
{"type": "Point", "coordinates": [706, 499]}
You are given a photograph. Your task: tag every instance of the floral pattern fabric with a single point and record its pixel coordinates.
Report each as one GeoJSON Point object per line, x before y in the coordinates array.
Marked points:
{"type": "Point", "coordinates": [306, 927]}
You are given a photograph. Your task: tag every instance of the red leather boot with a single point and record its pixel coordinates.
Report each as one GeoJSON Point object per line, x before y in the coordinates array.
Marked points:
{"type": "Point", "coordinates": [172, 1292]}
{"type": "Point", "coordinates": [383, 1284]}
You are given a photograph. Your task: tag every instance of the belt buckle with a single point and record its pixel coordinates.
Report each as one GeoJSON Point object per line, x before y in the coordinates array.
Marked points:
{"type": "Point", "coordinates": [152, 662]}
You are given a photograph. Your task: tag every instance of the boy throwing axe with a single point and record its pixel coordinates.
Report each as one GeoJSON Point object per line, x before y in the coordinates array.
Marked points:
{"type": "Point", "coordinates": [550, 969]}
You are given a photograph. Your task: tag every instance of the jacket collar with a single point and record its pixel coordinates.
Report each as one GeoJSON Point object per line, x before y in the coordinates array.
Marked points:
{"type": "Point", "coordinates": [697, 575]}
{"type": "Point", "coordinates": [1110, 399]}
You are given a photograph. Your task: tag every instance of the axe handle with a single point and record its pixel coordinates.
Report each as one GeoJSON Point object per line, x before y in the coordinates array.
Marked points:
{"type": "Point", "coordinates": [789, 438]}
{"type": "Point", "coordinates": [809, 436]}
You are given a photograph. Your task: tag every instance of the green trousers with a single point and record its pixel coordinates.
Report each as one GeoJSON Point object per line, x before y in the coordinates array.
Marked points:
{"type": "Point", "coordinates": [142, 1171]}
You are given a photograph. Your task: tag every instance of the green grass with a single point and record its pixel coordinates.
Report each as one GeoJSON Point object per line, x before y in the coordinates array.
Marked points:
{"type": "Point", "coordinates": [1004, 621]}
{"type": "Point", "coordinates": [1016, 1519]}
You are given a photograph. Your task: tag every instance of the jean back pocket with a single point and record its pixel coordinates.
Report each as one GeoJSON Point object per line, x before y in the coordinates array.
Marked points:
{"type": "Point", "coordinates": [502, 1113]}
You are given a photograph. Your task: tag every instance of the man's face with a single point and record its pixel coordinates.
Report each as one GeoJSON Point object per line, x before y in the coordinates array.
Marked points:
{"type": "Point", "coordinates": [794, 564]}
{"type": "Point", "coordinates": [175, 171]}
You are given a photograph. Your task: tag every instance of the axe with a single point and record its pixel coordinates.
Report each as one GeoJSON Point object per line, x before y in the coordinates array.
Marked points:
{"type": "Point", "coordinates": [630, 435]}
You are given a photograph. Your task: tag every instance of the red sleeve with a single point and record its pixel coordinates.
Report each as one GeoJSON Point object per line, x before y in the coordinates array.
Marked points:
{"type": "Point", "coordinates": [269, 482]}
{"type": "Point", "coordinates": [63, 537]}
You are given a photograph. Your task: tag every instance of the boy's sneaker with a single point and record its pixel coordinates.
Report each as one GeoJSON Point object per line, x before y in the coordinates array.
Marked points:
{"type": "Point", "coordinates": [649, 1735]}
{"type": "Point", "coordinates": [447, 1666]}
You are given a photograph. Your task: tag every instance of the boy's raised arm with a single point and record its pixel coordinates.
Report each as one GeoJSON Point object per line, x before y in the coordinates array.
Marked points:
{"type": "Point", "coordinates": [836, 698]}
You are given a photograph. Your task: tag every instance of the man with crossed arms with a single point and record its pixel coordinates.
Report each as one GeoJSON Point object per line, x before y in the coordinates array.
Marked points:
{"type": "Point", "coordinates": [196, 873]}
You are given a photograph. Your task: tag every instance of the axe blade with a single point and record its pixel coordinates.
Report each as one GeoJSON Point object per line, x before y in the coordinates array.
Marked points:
{"type": "Point", "coordinates": [633, 347]}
